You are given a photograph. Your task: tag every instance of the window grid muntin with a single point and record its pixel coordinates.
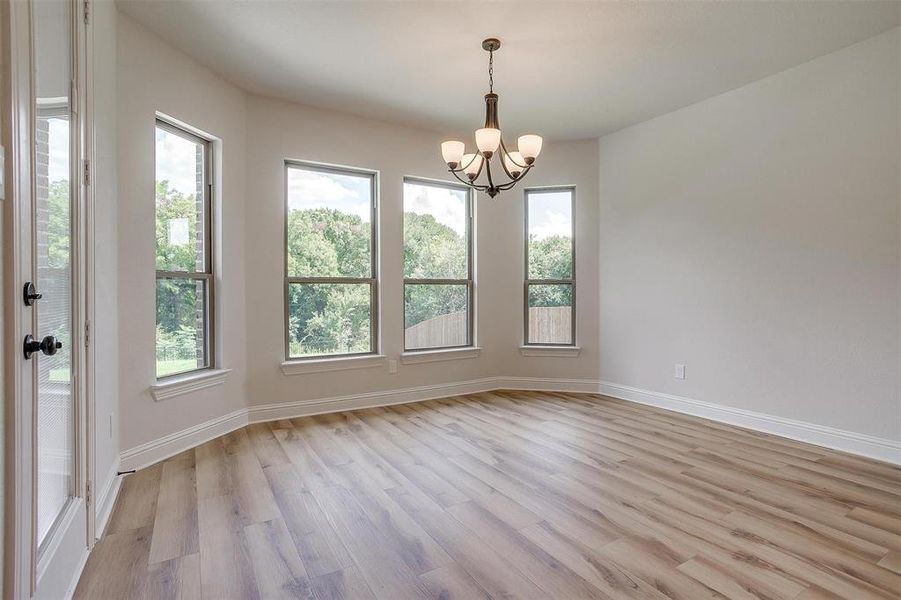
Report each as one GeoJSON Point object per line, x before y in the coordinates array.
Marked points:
{"type": "Point", "coordinates": [469, 282]}
{"type": "Point", "coordinates": [207, 274]}
{"type": "Point", "coordinates": [527, 282]}
{"type": "Point", "coordinates": [373, 282]}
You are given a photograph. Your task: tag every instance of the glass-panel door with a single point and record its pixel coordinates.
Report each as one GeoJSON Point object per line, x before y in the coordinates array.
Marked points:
{"type": "Point", "coordinates": [52, 257]}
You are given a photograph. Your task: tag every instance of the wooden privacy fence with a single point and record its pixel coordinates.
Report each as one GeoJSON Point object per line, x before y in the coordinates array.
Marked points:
{"type": "Point", "coordinates": [547, 324]}
{"type": "Point", "coordinates": [443, 330]}
{"type": "Point", "coordinates": [550, 325]}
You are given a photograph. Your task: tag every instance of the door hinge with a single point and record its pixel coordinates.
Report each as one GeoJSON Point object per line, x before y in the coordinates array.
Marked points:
{"type": "Point", "coordinates": [87, 12]}
{"type": "Point", "coordinates": [87, 333]}
{"type": "Point", "coordinates": [88, 492]}
{"type": "Point", "coordinates": [87, 172]}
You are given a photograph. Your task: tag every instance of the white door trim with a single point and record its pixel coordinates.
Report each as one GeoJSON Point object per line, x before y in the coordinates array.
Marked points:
{"type": "Point", "coordinates": [19, 525]}
{"type": "Point", "coordinates": [24, 574]}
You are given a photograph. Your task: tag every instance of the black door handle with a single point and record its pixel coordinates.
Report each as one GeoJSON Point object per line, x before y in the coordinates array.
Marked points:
{"type": "Point", "coordinates": [49, 345]}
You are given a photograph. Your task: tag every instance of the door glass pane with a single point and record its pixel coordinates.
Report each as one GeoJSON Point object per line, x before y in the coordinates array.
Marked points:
{"type": "Point", "coordinates": [434, 232]}
{"type": "Point", "coordinates": [329, 224]}
{"type": "Point", "coordinates": [180, 210]}
{"type": "Point", "coordinates": [550, 314]}
{"type": "Point", "coordinates": [435, 315]}
{"type": "Point", "coordinates": [181, 340]}
{"type": "Point", "coordinates": [329, 318]}
{"type": "Point", "coordinates": [550, 235]}
{"type": "Point", "coordinates": [53, 218]}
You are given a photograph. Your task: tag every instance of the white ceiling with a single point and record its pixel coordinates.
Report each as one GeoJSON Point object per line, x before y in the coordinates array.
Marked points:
{"type": "Point", "coordinates": [567, 70]}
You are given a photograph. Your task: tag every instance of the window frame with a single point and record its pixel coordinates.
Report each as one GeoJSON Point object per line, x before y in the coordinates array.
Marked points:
{"type": "Point", "coordinates": [372, 280]}
{"type": "Point", "coordinates": [207, 275]}
{"type": "Point", "coordinates": [470, 278]}
{"type": "Point", "coordinates": [527, 282]}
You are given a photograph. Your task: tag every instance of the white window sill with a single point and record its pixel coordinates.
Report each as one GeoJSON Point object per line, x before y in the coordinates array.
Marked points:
{"type": "Point", "coordinates": [324, 365]}
{"type": "Point", "coordinates": [556, 351]}
{"type": "Point", "coordinates": [428, 356]}
{"type": "Point", "coordinates": [187, 383]}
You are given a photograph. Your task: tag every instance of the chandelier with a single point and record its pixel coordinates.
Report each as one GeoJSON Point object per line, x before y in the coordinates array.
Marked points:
{"type": "Point", "coordinates": [490, 144]}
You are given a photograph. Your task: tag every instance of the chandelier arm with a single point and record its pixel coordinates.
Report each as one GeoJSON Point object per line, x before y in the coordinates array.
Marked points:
{"type": "Point", "coordinates": [481, 166]}
{"type": "Point", "coordinates": [504, 162]}
{"type": "Point", "coordinates": [471, 184]}
{"type": "Point", "coordinates": [514, 180]}
{"type": "Point", "coordinates": [504, 146]}
{"type": "Point", "coordinates": [463, 168]}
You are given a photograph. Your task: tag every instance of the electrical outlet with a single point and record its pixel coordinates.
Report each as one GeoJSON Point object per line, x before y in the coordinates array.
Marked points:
{"type": "Point", "coordinates": [679, 371]}
{"type": "Point", "coordinates": [392, 366]}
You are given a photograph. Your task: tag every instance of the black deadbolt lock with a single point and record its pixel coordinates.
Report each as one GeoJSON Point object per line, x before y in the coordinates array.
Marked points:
{"type": "Point", "coordinates": [49, 345]}
{"type": "Point", "coordinates": [29, 294]}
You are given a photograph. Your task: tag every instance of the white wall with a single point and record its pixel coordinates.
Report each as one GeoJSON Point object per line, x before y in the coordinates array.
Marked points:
{"type": "Point", "coordinates": [153, 76]}
{"type": "Point", "coordinates": [755, 237]}
{"type": "Point", "coordinates": [106, 214]}
{"type": "Point", "coordinates": [570, 163]}
{"type": "Point", "coordinates": [258, 134]}
{"type": "Point", "coordinates": [278, 130]}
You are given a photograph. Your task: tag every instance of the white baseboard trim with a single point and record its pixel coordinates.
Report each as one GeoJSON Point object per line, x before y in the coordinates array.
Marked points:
{"type": "Point", "coordinates": [287, 410]}
{"type": "Point", "coordinates": [170, 445]}
{"type": "Point", "coordinates": [545, 384]}
{"type": "Point", "coordinates": [106, 499]}
{"type": "Point", "coordinates": [828, 437]}
{"type": "Point", "coordinates": [837, 439]}
{"type": "Point", "coordinates": [76, 577]}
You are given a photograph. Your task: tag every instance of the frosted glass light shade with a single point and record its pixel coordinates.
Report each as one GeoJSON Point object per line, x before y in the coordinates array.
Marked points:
{"type": "Point", "coordinates": [530, 147]}
{"type": "Point", "coordinates": [488, 139]}
{"type": "Point", "coordinates": [452, 151]}
{"type": "Point", "coordinates": [512, 161]}
{"type": "Point", "coordinates": [471, 164]}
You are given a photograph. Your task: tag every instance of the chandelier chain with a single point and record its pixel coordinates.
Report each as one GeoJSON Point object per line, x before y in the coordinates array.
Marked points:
{"type": "Point", "coordinates": [491, 71]}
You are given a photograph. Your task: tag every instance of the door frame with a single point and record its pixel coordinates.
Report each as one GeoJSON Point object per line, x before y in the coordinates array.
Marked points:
{"type": "Point", "coordinates": [56, 571]}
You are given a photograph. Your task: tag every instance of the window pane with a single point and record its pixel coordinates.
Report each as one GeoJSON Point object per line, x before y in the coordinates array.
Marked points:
{"type": "Point", "coordinates": [435, 315]}
{"type": "Point", "coordinates": [329, 318]}
{"type": "Point", "coordinates": [180, 325]}
{"type": "Point", "coordinates": [550, 314]}
{"type": "Point", "coordinates": [329, 224]}
{"type": "Point", "coordinates": [180, 235]}
{"type": "Point", "coordinates": [550, 235]}
{"type": "Point", "coordinates": [53, 132]}
{"type": "Point", "coordinates": [435, 245]}
{"type": "Point", "coordinates": [54, 314]}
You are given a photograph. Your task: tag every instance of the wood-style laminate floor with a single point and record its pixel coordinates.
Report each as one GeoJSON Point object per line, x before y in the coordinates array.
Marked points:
{"type": "Point", "coordinates": [504, 494]}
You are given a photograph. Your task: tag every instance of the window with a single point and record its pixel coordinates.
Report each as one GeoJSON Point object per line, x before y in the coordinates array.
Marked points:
{"type": "Point", "coordinates": [438, 284]}
{"type": "Point", "coordinates": [550, 286]}
{"type": "Point", "coordinates": [184, 264]}
{"type": "Point", "coordinates": [330, 263]}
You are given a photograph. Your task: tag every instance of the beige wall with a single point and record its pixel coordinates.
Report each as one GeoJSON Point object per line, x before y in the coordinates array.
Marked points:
{"type": "Point", "coordinates": [152, 77]}
{"type": "Point", "coordinates": [258, 134]}
{"type": "Point", "coordinates": [277, 130]}
{"type": "Point", "coordinates": [106, 294]}
{"type": "Point", "coordinates": [755, 237]}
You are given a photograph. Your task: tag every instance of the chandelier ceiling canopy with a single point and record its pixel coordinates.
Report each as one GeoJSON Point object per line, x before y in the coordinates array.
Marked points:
{"type": "Point", "coordinates": [468, 167]}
